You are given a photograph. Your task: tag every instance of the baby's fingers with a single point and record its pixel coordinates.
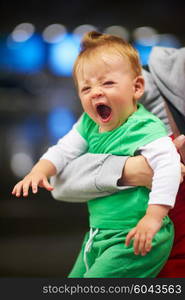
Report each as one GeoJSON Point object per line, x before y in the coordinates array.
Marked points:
{"type": "Point", "coordinates": [25, 188]}
{"type": "Point", "coordinates": [136, 244]}
{"type": "Point", "coordinates": [139, 248]}
{"type": "Point", "coordinates": [34, 187]}
{"type": "Point", "coordinates": [14, 190]}
{"type": "Point", "coordinates": [130, 236]}
{"type": "Point", "coordinates": [42, 182]}
{"type": "Point", "coordinates": [148, 243]}
{"type": "Point", "coordinates": [47, 185]}
{"type": "Point", "coordinates": [17, 189]}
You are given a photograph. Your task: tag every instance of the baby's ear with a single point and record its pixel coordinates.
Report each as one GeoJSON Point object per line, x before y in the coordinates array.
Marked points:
{"type": "Point", "coordinates": [139, 86]}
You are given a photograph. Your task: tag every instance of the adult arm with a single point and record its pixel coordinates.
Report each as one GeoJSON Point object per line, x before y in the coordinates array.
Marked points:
{"type": "Point", "coordinates": [97, 175]}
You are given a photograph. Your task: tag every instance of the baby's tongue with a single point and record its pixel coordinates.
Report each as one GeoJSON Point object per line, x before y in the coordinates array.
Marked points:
{"type": "Point", "coordinates": [104, 111]}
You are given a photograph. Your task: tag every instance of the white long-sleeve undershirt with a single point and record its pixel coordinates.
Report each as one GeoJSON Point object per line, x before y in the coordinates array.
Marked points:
{"type": "Point", "coordinates": [69, 147]}
{"type": "Point", "coordinates": [164, 160]}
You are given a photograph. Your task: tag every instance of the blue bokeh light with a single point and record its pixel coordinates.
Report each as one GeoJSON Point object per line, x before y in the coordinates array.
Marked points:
{"type": "Point", "coordinates": [144, 52]}
{"type": "Point", "coordinates": [21, 57]}
{"type": "Point", "coordinates": [60, 121]}
{"type": "Point", "coordinates": [62, 55]}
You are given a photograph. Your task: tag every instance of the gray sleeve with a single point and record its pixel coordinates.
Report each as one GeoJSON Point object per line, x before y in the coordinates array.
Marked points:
{"type": "Point", "coordinates": [87, 177]}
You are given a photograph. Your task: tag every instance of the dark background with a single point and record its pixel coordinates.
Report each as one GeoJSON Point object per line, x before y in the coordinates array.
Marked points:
{"type": "Point", "coordinates": [40, 237]}
{"type": "Point", "coordinates": [166, 16]}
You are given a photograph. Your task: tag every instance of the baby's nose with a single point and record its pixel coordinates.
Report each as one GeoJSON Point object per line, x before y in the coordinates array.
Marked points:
{"type": "Point", "coordinates": [97, 92]}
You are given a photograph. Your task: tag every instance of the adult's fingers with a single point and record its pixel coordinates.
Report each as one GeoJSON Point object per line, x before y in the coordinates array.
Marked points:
{"type": "Point", "coordinates": [182, 169]}
{"type": "Point", "coordinates": [179, 141]}
{"type": "Point", "coordinates": [182, 173]}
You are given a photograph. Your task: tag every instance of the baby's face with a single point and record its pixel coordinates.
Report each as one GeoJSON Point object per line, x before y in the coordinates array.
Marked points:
{"type": "Point", "coordinates": [108, 90]}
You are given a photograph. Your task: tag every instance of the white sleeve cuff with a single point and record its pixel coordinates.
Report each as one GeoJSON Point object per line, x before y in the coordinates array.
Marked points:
{"type": "Point", "coordinates": [71, 146]}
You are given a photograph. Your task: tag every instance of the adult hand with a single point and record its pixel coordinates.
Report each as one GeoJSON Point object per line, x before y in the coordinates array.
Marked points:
{"type": "Point", "coordinates": [137, 172]}
{"type": "Point", "coordinates": [180, 145]}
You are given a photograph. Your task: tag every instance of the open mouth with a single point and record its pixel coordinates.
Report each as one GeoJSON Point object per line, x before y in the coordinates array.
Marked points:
{"type": "Point", "coordinates": [104, 111]}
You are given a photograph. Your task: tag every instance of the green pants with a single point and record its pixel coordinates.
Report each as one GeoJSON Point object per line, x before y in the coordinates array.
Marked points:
{"type": "Point", "coordinates": [108, 257]}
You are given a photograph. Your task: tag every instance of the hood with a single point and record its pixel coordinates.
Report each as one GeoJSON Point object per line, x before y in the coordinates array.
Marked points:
{"type": "Point", "coordinates": [167, 66]}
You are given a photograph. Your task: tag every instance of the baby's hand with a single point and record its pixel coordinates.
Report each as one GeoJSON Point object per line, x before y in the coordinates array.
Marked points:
{"type": "Point", "coordinates": [143, 234]}
{"type": "Point", "coordinates": [33, 180]}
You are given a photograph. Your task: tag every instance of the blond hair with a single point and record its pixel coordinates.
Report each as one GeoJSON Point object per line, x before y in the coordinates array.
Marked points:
{"type": "Point", "coordinates": [94, 41]}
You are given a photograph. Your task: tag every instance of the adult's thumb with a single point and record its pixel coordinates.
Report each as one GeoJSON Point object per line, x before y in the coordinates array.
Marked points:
{"type": "Point", "coordinates": [179, 141]}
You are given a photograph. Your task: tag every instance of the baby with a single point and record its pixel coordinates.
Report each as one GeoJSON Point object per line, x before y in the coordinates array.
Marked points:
{"type": "Point", "coordinates": [108, 77]}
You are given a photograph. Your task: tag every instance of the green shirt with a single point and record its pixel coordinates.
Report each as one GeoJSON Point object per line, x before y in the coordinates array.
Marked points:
{"type": "Point", "coordinates": [124, 208]}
